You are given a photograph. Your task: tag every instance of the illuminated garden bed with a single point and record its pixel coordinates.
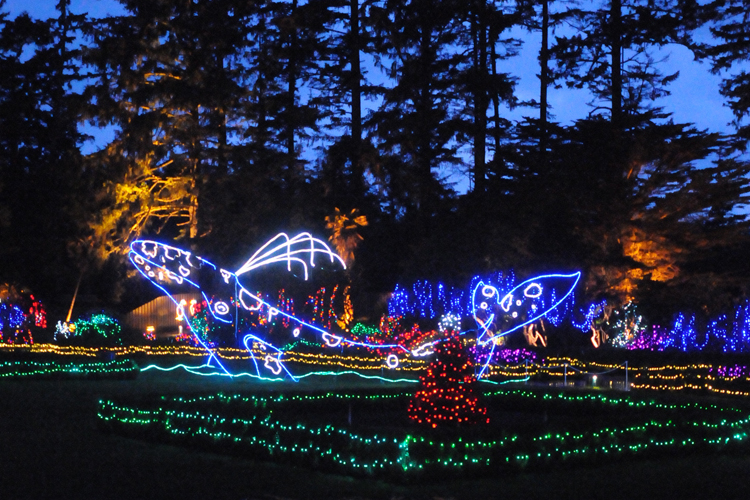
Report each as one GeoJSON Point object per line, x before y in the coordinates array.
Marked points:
{"type": "Point", "coordinates": [24, 370]}
{"type": "Point", "coordinates": [528, 429]}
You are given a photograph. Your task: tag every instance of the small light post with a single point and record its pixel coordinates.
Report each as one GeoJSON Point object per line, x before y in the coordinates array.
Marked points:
{"type": "Point", "coordinates": [627, 387]}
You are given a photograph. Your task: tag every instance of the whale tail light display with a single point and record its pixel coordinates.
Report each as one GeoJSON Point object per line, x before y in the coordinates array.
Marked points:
{"type": "Point", "coordinates": [499, 314]}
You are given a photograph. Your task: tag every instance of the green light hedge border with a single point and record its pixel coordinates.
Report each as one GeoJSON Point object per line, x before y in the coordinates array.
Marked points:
{"type": "Point", "coordinates": [263, 427]}
{"type": "Point", "coordinates": [16, 370]}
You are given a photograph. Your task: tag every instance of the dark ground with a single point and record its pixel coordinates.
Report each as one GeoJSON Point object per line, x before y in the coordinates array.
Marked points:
{"type": "Point", "coordinates": [50, 447]}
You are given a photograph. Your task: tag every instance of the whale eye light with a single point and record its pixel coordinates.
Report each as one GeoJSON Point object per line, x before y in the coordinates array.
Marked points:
{"type": "Point", "coordinates": [221, 308]}
{"type": "Point", "coordinates": [489, 291]}
{"type": "Point", "coordinates": [483, 305]}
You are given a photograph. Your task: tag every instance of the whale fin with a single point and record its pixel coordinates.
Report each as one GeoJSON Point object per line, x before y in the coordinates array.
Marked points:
{"type": "Point", "coordinates": [282, 248]}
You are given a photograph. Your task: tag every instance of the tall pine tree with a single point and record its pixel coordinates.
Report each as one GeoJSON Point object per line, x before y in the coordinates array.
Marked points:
{"type": "Point", "coordinates": [416, 124]}
{"type": "Point", "coordinates": [40, 169]}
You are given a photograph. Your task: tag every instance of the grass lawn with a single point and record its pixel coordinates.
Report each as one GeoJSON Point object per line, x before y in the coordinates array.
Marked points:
{"type": "Point", "coordinates": [51, 447]}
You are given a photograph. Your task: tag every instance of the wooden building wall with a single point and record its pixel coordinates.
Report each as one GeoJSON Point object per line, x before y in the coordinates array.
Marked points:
{"type": "Point", "coordinates": [161, 313]}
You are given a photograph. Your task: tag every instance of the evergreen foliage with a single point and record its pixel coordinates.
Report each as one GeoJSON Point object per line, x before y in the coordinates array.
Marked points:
{"type": "Point", "coordinates": [42, 182]}
{"type": "Point", "coordinates": [731, 46]}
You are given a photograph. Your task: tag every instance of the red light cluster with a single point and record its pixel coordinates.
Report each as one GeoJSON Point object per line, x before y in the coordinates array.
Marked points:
{"type": "Point", "coordinates": [447, 393]}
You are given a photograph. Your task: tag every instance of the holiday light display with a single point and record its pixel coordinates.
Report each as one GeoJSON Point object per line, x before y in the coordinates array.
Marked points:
{"type": "Point", "coordinates": [395, 330]}
{"type": "Point", "coordinates": [101, 324]}
{"type": "Point", "coordinates": [551, 297]}
{"type": "Point", "coordinates": [20, 313]}
{"type": "Point", "coordinates": [12, 319]}
{"type": "Point", "coordinates": [64, 331]}
{"type": "Point", "coordinates": [626, 328]}
{"type": "Point", "coordinates": [432, 300]}
{"type": "Point", "coordinates": [169, 267]}
{"type": "Point", "coordinates": [39, 370]}
{"type": "Point", "coordinates": [506, 365]}
{"type": "Point", "coordinates": [534, 336]}
{"type": "Point", "coordinates": [717, 379]}
{"type": "Point", "coordinates": [447, 393]}
{"type": "Point", "coordinates": [95, 328]}
{"type": "Point", "coordinates": [150, 333]}
{"type": "Point", "coordinates": [275, 427]}
{"type": "Point", "coordinates": [359, 360]}
{"type": "Point", "coordinates": [231, 303]}
{"type": "Point", "coordinates": [498, 314]}
{"type": "Point", "coordinates": [260, 322]}
{"type": "Point", "coordinates": [514, 357]}
{"type": "Point", "coordinates": [428, 300]}
{"type": "Point", "coordinates": [449, 324]}
{"type": "Point", "coordinates": [38, 312]}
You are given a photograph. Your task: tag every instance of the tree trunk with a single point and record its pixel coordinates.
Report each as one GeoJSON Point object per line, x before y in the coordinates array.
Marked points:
{"type": "Point", "coordinates": [544, 79]}
{"type": "Point", "coordinates": [58, 124]}
{"type": "Point", "coordinates": [479, 35]}
{"type": "Point", "coordinates": [222, 121]}
{"type": "Point", "coordinates": [291, 94]}
{"type": "Point", "coordinates": [496, 159]}
{"type": "Point", "coordinates": [616, 34]}
{"type": "Point", "coordinates": [194, 159]}
{"type": "Point", "coordinates": [424, 160]}
{"type": "Point", "coordinates": [356, 89]}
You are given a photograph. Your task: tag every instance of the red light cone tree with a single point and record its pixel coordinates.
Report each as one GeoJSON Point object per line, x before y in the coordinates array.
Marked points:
{"type": "Point", "coordinates": [447, 395]}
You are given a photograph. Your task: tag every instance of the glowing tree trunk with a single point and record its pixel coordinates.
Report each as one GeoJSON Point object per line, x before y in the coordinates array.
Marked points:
{"type": "Point", "coordinates": [447, 395]}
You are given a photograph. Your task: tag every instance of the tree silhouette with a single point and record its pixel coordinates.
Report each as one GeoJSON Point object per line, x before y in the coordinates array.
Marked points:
{"type": "Point", "coordinates": [480, 37]}
{"type": "Point", "coordinates": [731, 29]}
{"type": "Point", "coordinates": [43, 185]}
{"type": "Point", "coordinates": [415, 124]}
